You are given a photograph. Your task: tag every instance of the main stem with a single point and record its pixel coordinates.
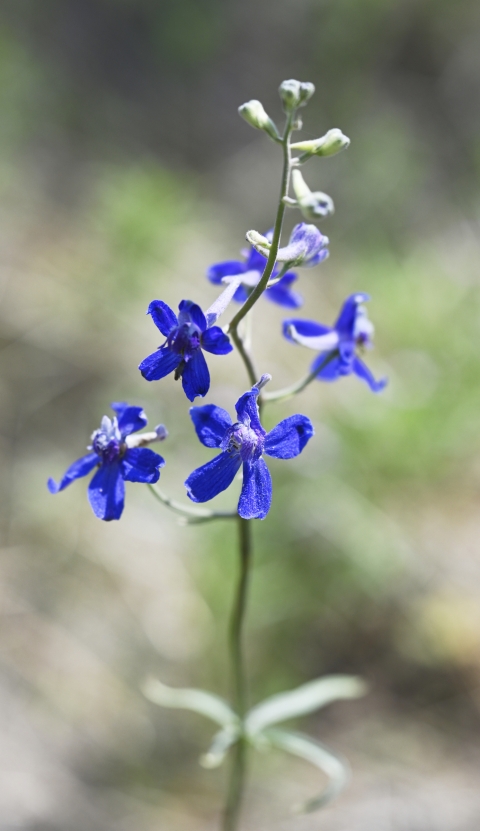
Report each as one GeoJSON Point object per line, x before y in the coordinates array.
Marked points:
{"type": "Point", "coordinates": [238, 763]}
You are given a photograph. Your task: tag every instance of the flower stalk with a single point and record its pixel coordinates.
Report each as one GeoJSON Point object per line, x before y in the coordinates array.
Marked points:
{"type": "Point", "coordinates": [277, 229]}
{"type": "Point", "coordinates": [238, 761]}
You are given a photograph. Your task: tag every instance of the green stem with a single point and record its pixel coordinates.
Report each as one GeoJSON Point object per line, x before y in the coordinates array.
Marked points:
{"type": "Point", "coordinates": [192, 515]}
{"type": "Point", "coordinates": [245, 356]}
{"type": "Point", "coordinates": [277, 230]}
{"type": "Point", "coordinates": [288, 392]}
{"type": "Point", "coordinates": [238, 763]}
{"type": "Point", "coordinates": [281, 273]}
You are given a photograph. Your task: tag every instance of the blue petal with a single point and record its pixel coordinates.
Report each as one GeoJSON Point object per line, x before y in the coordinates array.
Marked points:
{"type": "Point", "coordinates": [332, 371]}
{"type": "Point", "coordinates": [283, 295]}
{"type": "Point", "coordinates": [229, 268]}
{"type": "Point", "coordinates": [159, 364]}
{"type": "Point", "coordinates": [190, 311]}
{"type": "Point", "coordinates": [163, 317]}
{"type": "Point", "coordinates": [347, 355]}
{"type": "Point", "coordinates": [289, 437]}
{"type": "Point", "coordinates": [140, 464]}
{"type": "Point", "coordinates": [255, 261]}
{"type": "Point", "coordinates": [256, 496]}
{"type": "Point", "coordinates": [211, 423]}
{"type": "Point", "coordinates": [364, 373]}
{"type": "Point", "coordinates": [106, 492]}
{"type": "Point", "coordinates": [306, 328]}
{"type": "Point", "coordinates": [130, 419]}
{"type": "Point", "coordinates": [195, 376]}
{"type": "Point", "coordinates": [79, 468]}
{"type": "Point", "coordinates": [304, 245]}
{"type": "Point", "coordinates": [211, 479]}
{"type": "Point", "coordinates": [320, 257]}
{"type": "Point", "coordinates": [247, 410]}
{"type": "Point", "coordinates": [216, 341]}
{"type": "Point", "coordinates": [346, 320]}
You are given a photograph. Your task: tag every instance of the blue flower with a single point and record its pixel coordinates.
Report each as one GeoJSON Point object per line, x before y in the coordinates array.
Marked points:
{"type": "Point", "coordinates": [118, 457]}
{"type": "Point", "coordinates": [252, 267]}
{"type": "Point", "coordinates": [243, 443]}
{"type": "Point", "coordinates": [307, 246]}
{"type": "Point", "coordinates": [352, 330]}
{"type": "Point", "coordinates": [181, 353]}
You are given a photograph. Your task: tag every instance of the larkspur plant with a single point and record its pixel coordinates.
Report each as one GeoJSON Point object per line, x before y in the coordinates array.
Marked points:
{"type": "Point", "coordinates": [117, 455]}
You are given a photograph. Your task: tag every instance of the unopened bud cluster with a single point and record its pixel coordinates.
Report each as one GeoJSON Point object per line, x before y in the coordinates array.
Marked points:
{"type": "Point", "coordinates": [295, 94]}
{"type": "Point", "coordinates": [314, 205]}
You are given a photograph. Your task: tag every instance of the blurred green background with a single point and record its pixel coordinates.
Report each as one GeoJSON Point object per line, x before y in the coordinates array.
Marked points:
{"type": "Point", "coordinates": [125, 172]}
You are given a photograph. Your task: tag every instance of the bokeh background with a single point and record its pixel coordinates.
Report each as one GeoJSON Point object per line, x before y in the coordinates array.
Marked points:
{"type": "Point", "coordinates": [124, 172]}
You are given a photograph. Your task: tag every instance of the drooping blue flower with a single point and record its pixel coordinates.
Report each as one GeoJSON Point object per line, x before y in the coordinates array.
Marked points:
{"type": "Point", "coordinates": [181, 353]}
{"type": "Point", "coordinates": [118, 457]}
{"type": "Point", "coordinates": [352, 330]}
{"type": "Point", "coordinates": [243, 443]}
{"type": "Point", "coordinates": [251, 269]}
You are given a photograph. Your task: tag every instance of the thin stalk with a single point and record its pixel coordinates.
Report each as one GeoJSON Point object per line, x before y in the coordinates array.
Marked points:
{"type": "Point", "coordinates": [190, 514]}
{"type": "Point", "coordinates": [277, 230]}
{"type": "Point", "coordinates": [281, 273]}
{"type": "Point", "coordinates": [245, 356]}
{"type": "Point", "coordinates": [288, 392]}
{"type": "Point", "coordinates": [238, 764]}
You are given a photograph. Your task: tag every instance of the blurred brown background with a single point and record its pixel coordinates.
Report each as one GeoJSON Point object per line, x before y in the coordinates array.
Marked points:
{"type": "Point", "coordinates": [124, 172]}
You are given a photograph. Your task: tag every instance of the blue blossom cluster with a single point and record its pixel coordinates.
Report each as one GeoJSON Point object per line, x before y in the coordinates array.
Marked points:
{"type": "Point", "coordinates": [117, 456]}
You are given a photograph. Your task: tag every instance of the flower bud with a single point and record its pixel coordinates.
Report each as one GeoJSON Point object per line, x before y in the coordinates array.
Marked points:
{"type": "Point", "coordinates": [332, 142]}
{"type": "Point", "coordinates": [254, 113]}
{"type": "Point", "coordinates": [295, 93]}
{"type": "Point", "coordinates": [314, 206]}
{"type": "Point", "coordinates": [259, 242]}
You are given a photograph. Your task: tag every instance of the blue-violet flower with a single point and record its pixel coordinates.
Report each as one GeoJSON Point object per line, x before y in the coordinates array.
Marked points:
{"type": "Point", "coordinates": [243, 442]}
{"type": "Point", "coordinates": [118, 457]}
{"type": "Point", "coordinates": [338, 343]}
{"type": "Point", "coordinates": [252, 268]}
{"type": "Point", "coordinates": [181, 353]}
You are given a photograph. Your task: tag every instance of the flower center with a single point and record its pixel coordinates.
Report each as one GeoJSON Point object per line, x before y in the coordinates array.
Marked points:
{"type": "Point", "coordinates": [185, 339]}
{"type": "Point", "coordinates": [107, 440]}
{"type": "Point", "coordinates": [243, 440]}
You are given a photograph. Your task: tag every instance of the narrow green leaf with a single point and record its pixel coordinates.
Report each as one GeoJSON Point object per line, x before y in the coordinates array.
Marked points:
{"type": "Point", "coordinates": [219, 747]}
{"type": "Point", "coordinates": [199, 701]}
{"type": "Point", "coordinates": [317, 754]}
{"type": "Point", "coordinates": [305, 699]}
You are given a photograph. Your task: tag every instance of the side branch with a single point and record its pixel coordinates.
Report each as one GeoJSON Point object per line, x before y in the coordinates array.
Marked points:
{"type": "Point", "coordinates": [294, 389]}
{"type": "Point", "coordinates": [191, 515]}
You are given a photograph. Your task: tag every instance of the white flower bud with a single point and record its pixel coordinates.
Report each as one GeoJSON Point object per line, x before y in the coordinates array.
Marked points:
{"type": "Point", "coordinates": [254, 113]}
{"type": "Point", "coordinates": [295, 93]}
{"type": "Point", "coordinates": [332, 142]}
{"type": "Point", "coordinates": [313, 205]}
{"type": "Point", "coordinates": [259, 242]}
